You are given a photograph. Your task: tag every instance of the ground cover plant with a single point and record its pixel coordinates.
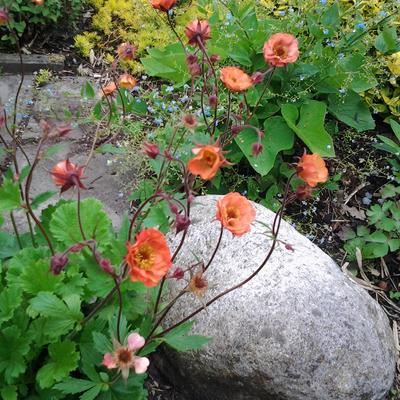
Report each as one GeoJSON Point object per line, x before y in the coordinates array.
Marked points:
{"type": "Point", "coordinates": [81, 304]}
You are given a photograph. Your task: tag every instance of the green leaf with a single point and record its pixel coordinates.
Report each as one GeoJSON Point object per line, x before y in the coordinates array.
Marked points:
{"type": "Point", "coordinates": [396, 128]}
{"type": "Point", "coordinates": [41, 198]}
{"type": "Point", "coordinates": [61, 316]}
{"type": "Point", "coordinates": [9, 393]}
{"type": "Point", "coordinates": [157, 216]}
{"type": "Point", "coordinates": [277, 137]}
{"type": "Point", "coordinates": [96, 224]}
{"type": "Point", "coordinates": [377, 237]}
{"type": "Point", "coordinates": [92, 393]}
{"type": "Point", "coordinates": [10, 198]}
{"type": "Point", "coordinates": [14, 346]}
{"type": "Point", "coordinates": [10, 300]}
{"type": "Point", "coordinates": [387, 41]}
{"type": "Point", "coordinates": [109, 148]}
{"type": "Point", "coordinates": [352, 110]}
{"type": "Point", "coordinates": [74, 386]}
{"type": "Point", "coordinates": [394, 244]}
{"type": "Point", "coordinates": [63, 359]}
{"type": "Point", "coordinates": [54, 149]}
{"type": "Point", "coordinates": [101, 343]}
{"type": "Point", "coordinates": [186, 343]}
{"type": "Point", "coordinates": [308, 123]}
{"type": "Point", "coordinates": [9, 245]}
{"type": "Point", "coordinates": [87, 91]}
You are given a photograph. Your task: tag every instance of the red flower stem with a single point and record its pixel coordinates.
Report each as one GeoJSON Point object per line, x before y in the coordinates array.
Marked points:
{"type": "Point", "coordinates": [79, 209]}
{"type": "Point", "coordinates": [216, 249]}
{"type": "Point", "coordinates": [121, 97]}
{"type": "Point", "coordinates": [203, 90]}
{"type": "Point", "coordinates": [170, 23]}
{"type": "Point", "coordinates": [120, 304]}
{"type": "Point", "coordinates": [27, 199]}
{"type": "Point", "coordinates": [203, 49]}
{"type": "Point", "coordinates": [271, 73]}
{"type": "Point", "coordinates": [228, 117]}
{"type": "Point", "coordinates": [278, 217]}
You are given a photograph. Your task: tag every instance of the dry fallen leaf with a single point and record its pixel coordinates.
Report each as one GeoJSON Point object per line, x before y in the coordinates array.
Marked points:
{"type": "Point", "coordinates": [354, 212]}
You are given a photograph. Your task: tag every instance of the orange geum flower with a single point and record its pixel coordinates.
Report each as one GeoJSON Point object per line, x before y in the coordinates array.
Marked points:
{"type": "Point", "coordinates": [126, 51]}
{"type": "Point", "coordinates": [281, 49]}
{"type": "Point", "coordinates": [235, 213]}
{"type": "Point", "coordinates": [163, 5]}
{"type": "Point", "coordinates": [108, 90]}
{"type": "Point", "coordinates": [67, 175]}
{"type": "Point", "coordinates": [127, 81]}
{"type": "Point", "coordinates": [235, 79]}
{"type": "Point", "coordinates": [312, 169]}
{"type": "Point", "coordinates": [38, 2]}
{"type": "Point", "coordinates": [198, 31]}
{"type": "Point", "coordinates": [207, 161]}
{"type": "Point", "coordinates": [149, 259]}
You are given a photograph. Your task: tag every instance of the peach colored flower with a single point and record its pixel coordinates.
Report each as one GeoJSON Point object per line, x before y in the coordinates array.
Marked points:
{"type": "Point", "coordinates": [163, 5]}
{"type": "Point", "coordinates": [207, 161]}
{"type": "Point", "coordinates": [109, 89]}
{"type": "Point", "coordinates": [124, 357]}
{"type": "Point", "coordinates": [127, 81]}
{"type": "Point", "coordinates": [236, 213]}
{"type": "Point", "coordinates": [235, 79]}
{"type": "Point", "coordinates": [67, 175]}
{"type": "Point", "coordinates": [312, 169]}
{"type": "Point", "coordinates": [38, 2]}
{"type": "Point", "coordinates": [281, 49]}
{"type": "Point", "coordinates": [126, 51]}
{"type": "Point", "coordinates": [149, 259]}
{"type": "Point", "coordinates": [196, 31]}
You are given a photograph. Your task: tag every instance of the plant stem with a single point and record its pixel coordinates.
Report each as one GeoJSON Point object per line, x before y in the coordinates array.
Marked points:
{"type": "Point", "coordinates": [79, 210]}
{"type": "Point", "coordinates": [170, 23]}
{"type": "Point", "coordinates": [117, 285]}
{"type": "Point", "coordinates": [216, 249]}
{"type": "Point", "coordinates": [15, 229]}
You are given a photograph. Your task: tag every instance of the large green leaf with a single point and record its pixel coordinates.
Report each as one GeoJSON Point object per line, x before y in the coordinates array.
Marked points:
{"type": "Point", "coordinates": [63, 359]}
{"type": "Point", "coordinates": [10, 299]}
{"type": "Point", "coordinates": [352, 110]}
{"type": "Point", "coordinates": [308, 123]}
{"type": "Point", "coordinates": [168, 63]}
{"type": "Point", "coordinates": [387, 41]}
{"type": "Point", "coordinates": [9, 195]}
{"type": "Point", "coordinates": [96, 224]}
{"type": "Point", "coordinates": [277, 137]}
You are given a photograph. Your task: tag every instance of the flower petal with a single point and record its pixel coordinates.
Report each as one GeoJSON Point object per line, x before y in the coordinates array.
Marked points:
{"type": "Point", "coordinates": [109, 361]}
{"type": "Point", "coordinates": [135, 342]}
{"type": "Point", "coordinates": [141, 364]}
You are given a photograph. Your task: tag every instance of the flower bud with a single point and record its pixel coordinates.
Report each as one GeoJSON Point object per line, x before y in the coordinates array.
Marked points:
{"type": "Point", "coordinates": [194, 70]}
{"type": "Point", "coordinates": [304, 192]}
{"type": "Point", "coordinates": [212, 101]}
{"type": "Point", "coordinates": [215, 58]}
{"type": "Point", "coordinates": [63, 129]}
{"type": "Point", "coordinates": [257, 77]}
{"type": "Point", "coordinates": [191, 59]}
{"type": "Point", "coordinates": [106, 266]}
{"type": "Point", "coordinates": [190, 121]}
{"type": "Point", "coordinates": [174, 208]}
{"type": "Point", "coordinates": [151, 150]}
{"type": "Point", "coordinates": [257, 148]}
{"type": "Point", "coordinates": [4, 18]}
{"type": "Point", "coordinates": [57, 263]}
{"type": "Point", "coordinates": [289, 247]}
{"type": "Point", "coordinates": [178, 274]}
{"type": "Point", "coordinates": [76, 248]}
{"type": "Point", "coordinates": [182, 222]}
{"type": "Point", "coordinates": [236, 129]}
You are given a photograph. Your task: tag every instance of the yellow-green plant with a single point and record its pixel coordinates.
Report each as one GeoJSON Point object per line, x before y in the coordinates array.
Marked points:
{"type": "Point", "coordinates": [117, 21]}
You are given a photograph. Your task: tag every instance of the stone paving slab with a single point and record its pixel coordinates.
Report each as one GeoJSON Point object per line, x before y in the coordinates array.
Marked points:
{"type": "Point", "coordinates": [10, 63]}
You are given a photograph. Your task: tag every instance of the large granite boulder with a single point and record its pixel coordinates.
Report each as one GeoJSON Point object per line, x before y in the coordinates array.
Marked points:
{"type": "Point", "coordinates": [300, 330]}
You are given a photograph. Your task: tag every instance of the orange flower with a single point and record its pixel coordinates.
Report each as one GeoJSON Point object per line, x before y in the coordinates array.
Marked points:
{"type": "Point", "coordinates": [312, 169]}
{"type": "Point", "coordinates": [126, 51]}
{"type": "Point", "coordinates": [149, 259]}
{"type": "Point", "coordinates": [38, 2]}
{"type": "Point", "coordinates": [281, 49]}
{"type": "Point", "coordinates": [208, 160]}
{"type": "Point", "coordinates": [236, 213]}
{"type": "Point", "coordinates": [235, 79]}
{"type": "Point", "coordinates": [109, 89]}
{"type": "Point", "coordinates": [163, 5]}
{"type": "Point", "coordinates": [67, 175]}
{"type": "Point", "coordinates": [198, 30]}
{"type": "Point", "coordinates": [127, 81]}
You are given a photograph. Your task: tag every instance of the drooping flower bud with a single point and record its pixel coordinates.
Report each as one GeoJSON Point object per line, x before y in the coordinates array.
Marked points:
{"type": "Point", "coordinates": [151, 150]}
{"type": "Point", "coordinates": [67, 175]}
{"type": "Point", "coordinates": [236, 129]}
{"type": "Point", "coordinates": [215, 58]}
{"type": "Point", "coordinates": [198, 31]}
{"type": "Point", "coordinates": [106, 266]}
{"type": "Point", "coordinates": [58, 262]}
{"type": "Point", "coordinates": [178, 274]}
{"type": "Point", "coordinates": [182, 222]}
{"type": "Point", "coordinates": [212, 101]}
{"type": "Point", "coordinates": [194, 70]}
{"type": "Point", "coordinates": [289, 247]}
{"type": "Point", "coordinates": [257, 148]}
{"type": "Point", "coordinates": [191, 59]}
{"type": "Point", "coordinates": [190, 121]}
{"type": "Point", "coordinates": [257, 77]}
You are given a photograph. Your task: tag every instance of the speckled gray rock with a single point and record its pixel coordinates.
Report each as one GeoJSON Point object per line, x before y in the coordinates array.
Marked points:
{"type": "Point", "coordinates": [301, 330]}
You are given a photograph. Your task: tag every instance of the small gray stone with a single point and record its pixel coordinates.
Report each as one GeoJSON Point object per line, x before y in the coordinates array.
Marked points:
{"type": "Point", "coordinates": [300, 330]}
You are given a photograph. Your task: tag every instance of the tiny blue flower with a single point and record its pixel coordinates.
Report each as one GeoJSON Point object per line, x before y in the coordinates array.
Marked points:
{"type": "Point", "coordinates": [163, 106]}
{"type": "Point", "coordinates": [170, 109]}
{"type": "Point", "coordinates": [282, 13]}
{"type": "Point", "coordinates": [184, 99]}
{"type": "Point", "coordinates": [341, 56]}
{"type": "Point", "coordinates": [158, 121]}
{"type": "Point", "coordinates": [361, 25]}
{"type": "Point", "coordinates": [150, 109]}
{"type": "Point", "coordinates": [170, 13]}
{"type": "Point", "coordinates": [342, 90]}
{"type": "Point", "coordinates": [291, 10]}
{"type": "Point", "coordinates": [301, 77]}
{"type": "Point", "coordinates": [169, 89]}
{"type": "Point", "coordinates": [29, 102]}
{"type": "Point", "coordinates": [144, 77]}
{"type": "Point", "coordinates": [326, 31]}
{"type": "Point", "coordinates": [323, 2]}
{"type": "Point", "coordinates": [382, 13]}
{"type": "Point", "coordinates": [136, 89]}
